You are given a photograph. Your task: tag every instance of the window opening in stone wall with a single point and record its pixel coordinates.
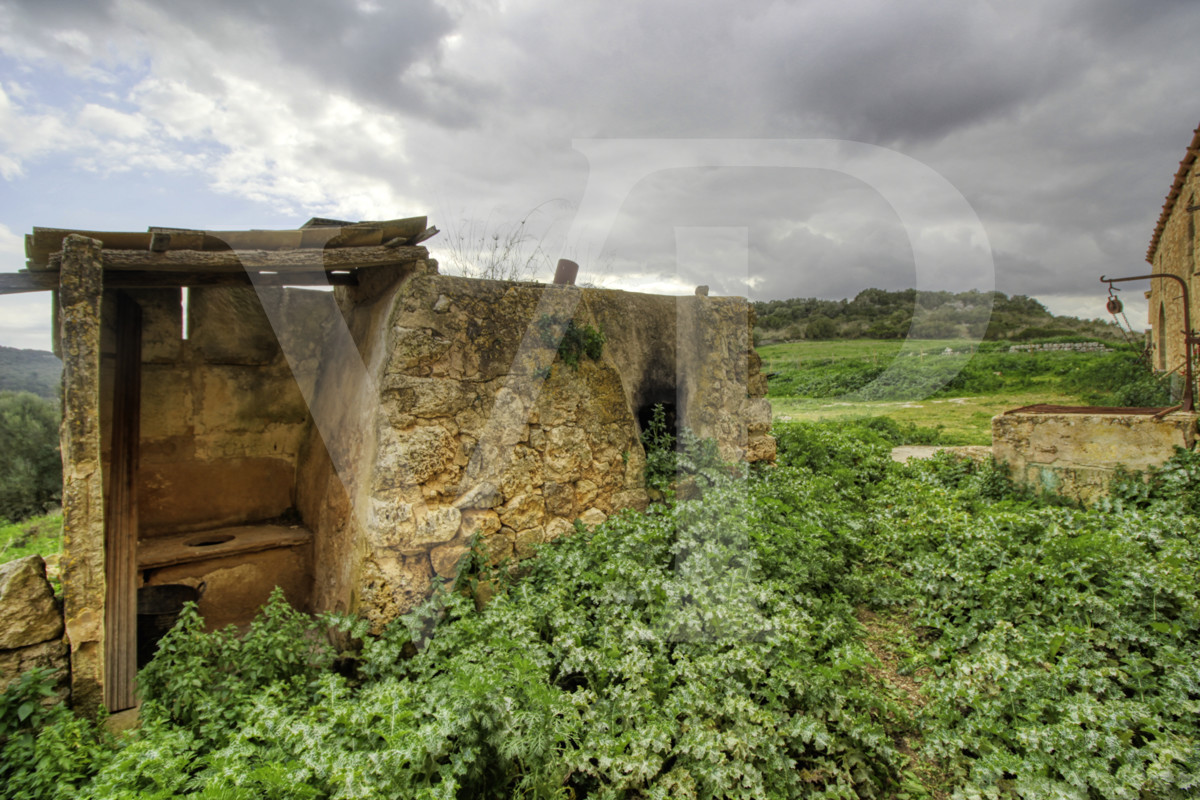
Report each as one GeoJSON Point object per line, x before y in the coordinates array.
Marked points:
{"type": "Point", "coordinates": [1191, 235]}
{"type": "Point", "coordinates": [1162, 337]}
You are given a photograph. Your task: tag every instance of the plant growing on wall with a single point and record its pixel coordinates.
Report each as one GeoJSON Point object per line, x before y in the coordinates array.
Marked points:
{"type": "Point", "coordinates": [574, 341]}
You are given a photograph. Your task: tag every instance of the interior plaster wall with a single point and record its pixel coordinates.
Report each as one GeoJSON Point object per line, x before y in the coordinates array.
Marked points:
{"type": "Point", "coordinates": [223, 419]}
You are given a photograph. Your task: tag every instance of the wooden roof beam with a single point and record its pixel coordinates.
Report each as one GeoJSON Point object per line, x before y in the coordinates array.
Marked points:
{"type": "Point", "coordinates": [21, 282]}
{"type": "Point", "coordinates": [239, 261]}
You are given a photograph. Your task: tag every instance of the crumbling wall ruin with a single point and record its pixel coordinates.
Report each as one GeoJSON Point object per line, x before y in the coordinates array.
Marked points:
{"type": "Point", "coordinates": [348, 446]}
{"type": "Point", "coordinates": [468, 425]}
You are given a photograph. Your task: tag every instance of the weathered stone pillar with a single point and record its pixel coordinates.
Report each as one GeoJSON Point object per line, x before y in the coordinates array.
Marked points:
{"type": "Point", "coordinates": [79, 296]}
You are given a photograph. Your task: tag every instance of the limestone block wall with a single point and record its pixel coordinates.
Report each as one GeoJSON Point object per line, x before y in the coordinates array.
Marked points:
{"type": "Point", "coordinates": [333, 480]}
{"type": "Point", "coordinates": [31, 622]}
{"type": "Point", "coordinates": [1076, 454]}
{"type": "Point", "coordinates": [1175, 253]}
{"type": "Point", "coordinates": [465, 423]}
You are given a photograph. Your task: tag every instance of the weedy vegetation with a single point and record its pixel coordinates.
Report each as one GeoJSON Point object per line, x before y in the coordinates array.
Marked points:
{"type": "Point", "coordinates": [712, 648]}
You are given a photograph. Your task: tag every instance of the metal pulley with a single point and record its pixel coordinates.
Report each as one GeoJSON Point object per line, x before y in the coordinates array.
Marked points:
{"type": "Point", "coordinates": [1115, 306]}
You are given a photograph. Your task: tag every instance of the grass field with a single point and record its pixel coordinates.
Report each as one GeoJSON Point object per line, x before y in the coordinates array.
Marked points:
{"type": "Point", "coordinates": [963, 420]}
{"type": "Point", "coordinates": [34, 536]}
{"type": "Point", "coordinates": [837, 379]}
{"type": "Point", "coordinates": [796, 354]}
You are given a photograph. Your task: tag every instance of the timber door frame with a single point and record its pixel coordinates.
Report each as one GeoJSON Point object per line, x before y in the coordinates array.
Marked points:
{"type": "Point", "coordinates": [121, 513]}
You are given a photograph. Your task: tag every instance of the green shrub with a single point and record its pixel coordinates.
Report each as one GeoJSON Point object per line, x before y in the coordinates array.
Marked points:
{"type": "Point", "coordinates": [45, 750]}
{"type": "Point", "coordinates": [574, 341]}
{"type": "Point", "coordinates": [668, 461]}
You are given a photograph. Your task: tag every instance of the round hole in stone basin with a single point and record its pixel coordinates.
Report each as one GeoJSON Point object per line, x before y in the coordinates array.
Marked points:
{"type": "Point", "coordinates": [209, 541]}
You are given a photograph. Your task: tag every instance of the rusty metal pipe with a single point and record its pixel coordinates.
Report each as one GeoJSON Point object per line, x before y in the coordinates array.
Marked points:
{"type": "Point", "coordinates": [1188, 394]}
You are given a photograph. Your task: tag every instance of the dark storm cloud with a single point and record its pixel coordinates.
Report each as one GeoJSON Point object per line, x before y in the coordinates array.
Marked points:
{"type": "Point", "coordinates": [809, 231]}
{"type": "Point", "coordinates": [894, 74]}
{"type": "Point", "coordinates": [872, 71]}
{"type": "Point", "coordinates": [1060, 123]}
{"type": "Point", "coordinates": [383, 53]}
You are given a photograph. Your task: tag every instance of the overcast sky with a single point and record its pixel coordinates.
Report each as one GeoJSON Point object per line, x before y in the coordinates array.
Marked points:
{"type": "Point", "coordinates": [1045, 134]}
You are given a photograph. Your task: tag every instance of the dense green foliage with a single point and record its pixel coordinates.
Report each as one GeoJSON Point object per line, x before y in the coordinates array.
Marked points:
{"type": "Point", "coordinates": [711, 649]}
{"type": "Point", "coordinates": [33, 371]}
{"type": "Point", "coordinates": [45, 750]}
{"type": "Point", "coordinates": [880, 314]}
{"type": "Point", "coordinates": [30, 467]}
{"type": "Point", "coordinates": [1119, 378]}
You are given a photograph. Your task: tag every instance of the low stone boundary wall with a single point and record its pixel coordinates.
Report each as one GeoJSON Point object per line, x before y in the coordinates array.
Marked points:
{"type": "Point", "coordinates": [31, 622]}
{"type": "Point", "coordinates": [1077, 347]}
{"type": "Point", "coordinates": [1075, 452]}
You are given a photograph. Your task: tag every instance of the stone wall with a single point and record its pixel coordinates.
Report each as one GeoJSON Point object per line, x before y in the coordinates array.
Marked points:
{"type": "Point", "coordinates": [468, 424]}
{"type": "Point", "coordinates": [1076, 455]}
{"type": "Point", "coordinates": [1175, 253]}
{"type": "Point", "coordinates": [334, 486]}
{"type": "Point", "coordinates": [31, 622]}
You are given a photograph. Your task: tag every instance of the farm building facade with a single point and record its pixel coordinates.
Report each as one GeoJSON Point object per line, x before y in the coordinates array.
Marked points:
{"type": "Point", "coordinates": [1173, 251]}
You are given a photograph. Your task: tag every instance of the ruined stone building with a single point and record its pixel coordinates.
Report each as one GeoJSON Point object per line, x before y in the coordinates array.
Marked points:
{"type": "Point", "coordinates": [1173, 250]}
{"type": "Point", "coordinates": [345, 445]}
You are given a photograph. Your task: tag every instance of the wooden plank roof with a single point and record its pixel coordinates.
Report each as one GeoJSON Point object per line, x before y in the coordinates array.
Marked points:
{"type": "Point", "coordinates": [323, 251]}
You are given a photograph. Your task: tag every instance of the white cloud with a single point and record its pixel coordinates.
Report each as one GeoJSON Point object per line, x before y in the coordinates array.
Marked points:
{"type": "Point", "coordinates": [25, 320]}
{"type": "Point", "coordinates": [104, 121]}
{"type": "Point", "coordinates": [236, 118]}
{"type": "Point", "coordinates": [12, 246]}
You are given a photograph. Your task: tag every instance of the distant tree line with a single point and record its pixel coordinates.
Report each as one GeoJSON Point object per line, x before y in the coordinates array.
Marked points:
{"type": "Point", "coordinates": [34, 371]}
{"type": "Point", "coordinates": [30, 466]}
{"type": "Point", "coordinates": [881, 314]}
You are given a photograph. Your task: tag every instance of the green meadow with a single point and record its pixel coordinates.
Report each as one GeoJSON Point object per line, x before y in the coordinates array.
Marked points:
{"type": "Point", "coordinates": [956, 385]}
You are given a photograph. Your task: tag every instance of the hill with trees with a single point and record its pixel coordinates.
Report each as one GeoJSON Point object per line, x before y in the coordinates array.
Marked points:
{"type": "Point", "coordinates": [33, 371]}
{"type": "Point", "coordinates": [881, 314]}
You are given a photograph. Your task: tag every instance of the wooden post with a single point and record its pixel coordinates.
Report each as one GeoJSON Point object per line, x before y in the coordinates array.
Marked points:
{"type": "Point", "coordinates": [566, 272]}
{"type": "Point", "coordinates": [121, 528]}
{"type": "Point", "coordinates": [80, 289]}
